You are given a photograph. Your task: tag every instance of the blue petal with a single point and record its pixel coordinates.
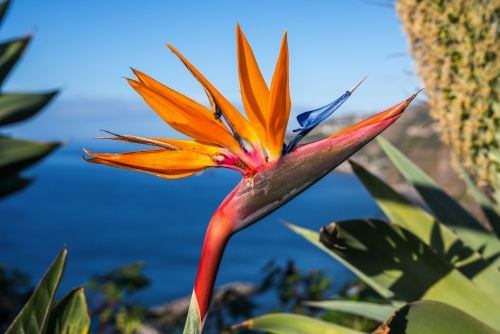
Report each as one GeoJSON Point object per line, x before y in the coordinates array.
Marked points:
{"type": "Point", "coordinates": [291, 145]}
{"type": "Point", "coordinates": [310, 119]}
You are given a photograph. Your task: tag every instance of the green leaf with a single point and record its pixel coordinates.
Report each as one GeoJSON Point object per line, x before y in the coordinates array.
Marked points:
{"type": "Point", "coordinates": [486, 205]}
{"type": "Point", "coordinates": [17, 154]}
{"type": "Point", "coordinates": [445, 208]}
{"type": "Point", "coordinates": [11, 184]}
{"type": "Point", "coordinates": [402, 212]}
{"type": "Point", "coordinates": [486, 243]}
{"type": "Point", "coordinates": [70, 315]}
{"type": "Point", "coordinates": [283, 323]}
{"type": "Point", "coordinates": [16, 107]}
{"type": "Point", "coordinates": [378, 285]}
{"type": "Point", "coordinates": [392, 260]}
{"type": "Point", "coordinates": [3, 8]}
{"type": "Point", "coordinates": [33, 316]}
{"type": "Point", "coordinates": [193, 321]}
{"type": "Point", "coordinates": [427, 317]}
{"type": "Point", "coordinates": [377, 312]}
{"type": "Point", "coordinates": [10, 52]}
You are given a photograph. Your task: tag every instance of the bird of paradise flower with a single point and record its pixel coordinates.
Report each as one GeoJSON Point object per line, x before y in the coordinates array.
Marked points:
{"type": "Point", "coordinates": [273, 172]}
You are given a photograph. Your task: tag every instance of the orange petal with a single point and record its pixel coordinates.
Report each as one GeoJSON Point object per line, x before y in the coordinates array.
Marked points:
{"type": "Point", "coordinates": [162, 162]}
{"type": "Point", "coordinates": [391, 112]}
{"type": "Point", "coordinates": [254, 91]}
{"type": "Point", "coordinates": [178, 144]}
{"type": "Point", "coordinates": [279, 104]}
{"type": "Point", "coordinates": [148, 81]}
{"type": "Point", "coordinates": [138, 140]}
{"type": "Point", "coordinates": [174, 174]}
{"type": "Point", "coordinates": [239, 124]}
{"type": "Point", "coordinates": [193, 122]}
{"type": "Point", "coordinates": [196, 146]}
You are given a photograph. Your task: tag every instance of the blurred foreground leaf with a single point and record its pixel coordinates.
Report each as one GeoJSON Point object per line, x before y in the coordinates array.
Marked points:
{"type": "Point", "coordinates": [377, 312]}
{"type": "Point", "coordinates": [17, 154]}
{"type": "Point", "coordinates": [69, 315]}
{"type": "Point", "coordinates": [10, 52]}
{"type": "Point", "coordinates": [284, 323]}
{"type": "Point", "coordinates": [401, 266]}
{"type": "Point", "coordinates": [33, 316]}
{"type": "Point", "coordinates": [3, 8]}
{"type": "Point", "coordinates": [427, 317]}
{"type": "Point", "coordinates": [12, 184]}
{"type": "Point", "coordinates": [16, 107]}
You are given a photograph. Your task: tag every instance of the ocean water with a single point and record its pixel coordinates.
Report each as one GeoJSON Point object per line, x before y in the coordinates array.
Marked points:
{"type": "Point", "coordinates": [109, 217]}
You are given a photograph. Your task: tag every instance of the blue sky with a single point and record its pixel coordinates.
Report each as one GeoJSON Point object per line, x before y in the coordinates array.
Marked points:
{"type": "Point", "coordinates": [86, 48]}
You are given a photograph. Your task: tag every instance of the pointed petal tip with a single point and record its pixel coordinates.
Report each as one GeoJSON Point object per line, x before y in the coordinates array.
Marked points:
{"type": "Point", "coordinates": [135, 71]}
{"type": "Point", "coordinates": [239, 34]}
{"type": "Point", "coordinates": [415, 95]}
{"type": "Point", "coordinates": [285, 38]}
{"type": "Point", "coordinates": [111, 133]}
{"type": "Point", "coordinates": [411, 98]}
{"type": "Point", "coordinates": [107, 137]}
{"type": "Point", "coordinates": [174, 50]}
{"type": "Point", "coordinates": [391, 113]}
{"type": "Point", "coordinates": [92, 160]}
{"type": "Point", "coordinates": [357, 85]}
{"type": "Point", "coordinates": [87, 152]}
{"type": "Point", "coordinates": [92, 157]}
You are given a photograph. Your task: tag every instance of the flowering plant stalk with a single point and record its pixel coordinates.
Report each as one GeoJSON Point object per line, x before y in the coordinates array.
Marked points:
{"type": "Point", "coordinates": [273, 172]}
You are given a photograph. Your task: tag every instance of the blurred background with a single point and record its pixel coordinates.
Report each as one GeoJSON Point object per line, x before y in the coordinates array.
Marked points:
{"type": "Point", "coordinates": [109, 218]}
